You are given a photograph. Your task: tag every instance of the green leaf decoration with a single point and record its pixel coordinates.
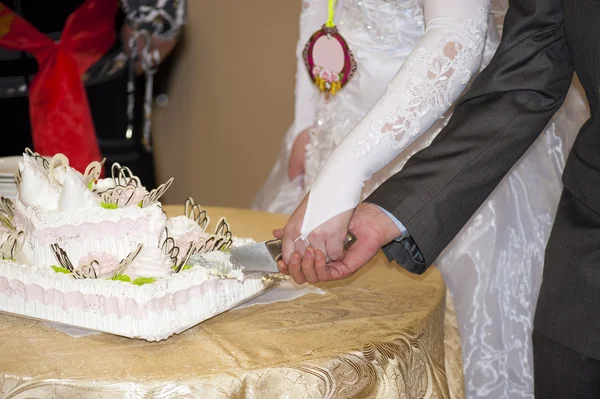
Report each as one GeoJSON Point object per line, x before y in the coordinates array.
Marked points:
{"type": "Point", "coordinates": [108, 206]}
{"type": "Point", "coordinates": [187, 266]}
{"type": "Point", "coordinates": [58, 269]}
{"type": "Point", "coordinates": [91, 184]}
{"type": "Point", "coordinates": [121, 277]}
{"type": "Point", "coordinates": [138, 281]}
{"type": "Point", "coordinates": [226, 250]}
{"type": "Point", "coordinates": [143, 280]}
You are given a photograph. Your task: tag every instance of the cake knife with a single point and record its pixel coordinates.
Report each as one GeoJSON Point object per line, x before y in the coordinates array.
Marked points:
{"type": "Point", "coordinates": [263, 256]}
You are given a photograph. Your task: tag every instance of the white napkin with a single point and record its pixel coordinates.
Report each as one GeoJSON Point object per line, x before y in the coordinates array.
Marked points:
{"type": "Point", "coordinates": [74, 332]}
{"type": "Point", "coordinates": [286, 291]}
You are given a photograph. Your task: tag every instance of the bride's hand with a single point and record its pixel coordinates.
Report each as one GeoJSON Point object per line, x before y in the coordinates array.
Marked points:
{"type": "Point", "coordinates": [297, 155]}
{"type": "Point", "coordinates": [328, 238]}
{"type": "Point", "coordinates": [291, 232]}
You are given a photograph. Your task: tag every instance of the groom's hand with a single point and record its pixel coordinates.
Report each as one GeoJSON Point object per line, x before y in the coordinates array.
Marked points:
{"type": "Point", "coordinates": [373, 229]}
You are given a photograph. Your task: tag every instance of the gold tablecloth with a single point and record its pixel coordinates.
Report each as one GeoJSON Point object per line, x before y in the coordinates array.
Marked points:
{"type": "Point", "coordinates": [379, 334]}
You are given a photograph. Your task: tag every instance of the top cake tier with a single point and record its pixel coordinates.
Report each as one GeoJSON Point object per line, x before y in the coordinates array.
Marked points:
{"type": "Point", "coordinates": [57, 205]}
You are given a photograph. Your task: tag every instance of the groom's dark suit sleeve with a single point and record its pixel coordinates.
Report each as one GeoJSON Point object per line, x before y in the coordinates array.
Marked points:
{"type": "Point", "coordinates": [504, 111]}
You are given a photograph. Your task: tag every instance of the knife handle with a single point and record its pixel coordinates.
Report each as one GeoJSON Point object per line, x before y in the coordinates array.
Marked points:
{"type": "Point", "coordinates": [275, 246]}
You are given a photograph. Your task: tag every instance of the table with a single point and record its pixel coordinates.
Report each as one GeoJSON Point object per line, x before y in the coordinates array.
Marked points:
{"type": "Point", "coordinates": [380, 333]}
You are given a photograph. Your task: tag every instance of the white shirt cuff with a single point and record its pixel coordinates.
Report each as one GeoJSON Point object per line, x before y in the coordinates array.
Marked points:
{"type": "Point", "coordinates": [403, 230]}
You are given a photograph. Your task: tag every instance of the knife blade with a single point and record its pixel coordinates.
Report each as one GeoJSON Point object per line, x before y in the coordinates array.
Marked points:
{"type": "Point", "coordinates": [263, 256]}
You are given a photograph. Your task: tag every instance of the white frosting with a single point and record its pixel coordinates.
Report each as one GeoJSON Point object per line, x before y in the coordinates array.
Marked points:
{"type": "Point", "coordinates": [180, 225]}
{"type": "Point", "coordinates": [218, 262]}
{"type": "Point", "coordinates": [150, 262]}
{"type": "Point", "coordinates": [184, 231]}
{"type": "Point", "coordinates": [104, 184]}
{"type": "Point", "coordinates": [40, 218]}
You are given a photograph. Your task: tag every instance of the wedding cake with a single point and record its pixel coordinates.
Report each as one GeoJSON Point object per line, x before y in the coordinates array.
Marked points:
{"type": "Point", "coordinates": [101, 254]}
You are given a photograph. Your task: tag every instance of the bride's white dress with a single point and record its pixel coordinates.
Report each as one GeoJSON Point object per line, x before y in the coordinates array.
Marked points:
{"type": "Point", "coordinates": [390, 110]}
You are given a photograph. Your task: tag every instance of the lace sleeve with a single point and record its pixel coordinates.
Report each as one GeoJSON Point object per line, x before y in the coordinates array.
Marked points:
{"type": "Point", "coordinates": [430, 80]}
{"type": "Point", "coordinates": [312, 16]}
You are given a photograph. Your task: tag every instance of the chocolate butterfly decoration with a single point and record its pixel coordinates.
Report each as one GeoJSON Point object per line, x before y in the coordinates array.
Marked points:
{"type": "Point", "coordinates": [7, 207]}
{"type": "Point", "coordinates": [165, 234]}
{"type": "Point", "coordinates": [7, 213]}
{"type": "Point", "coordinates": [119, 195]}
{"type": "Point", "coordinates": [127, 261]}
{"type": "Point", "coordinates": [224, 234]}
{"type": "Point", "coordinates": [122, 176]}
{"type": "Point", "coordinates": [86, 271]}
{"type": "Point", "coordinates": [12, 246]}
{"type": "Point", "coordinates": [6, 222]}
{"type": "Point", "coordinates": [83, 272]}
{"type": "Point", "coordinates": [191, 250]}
{"type": "Point", "coordinates": [195, 213]}
{"type": "Point", "coordinates": [62, 257]}
{"type": "Point", "coordinates": [170, 249]}
{"type": "Point", "coordinates": [220, 240]}
{"type": "Point", "coordinates": [205, 245]}
{"type": "Point", "coordinates": [153, 196]}
{"type": "Point", "coordinates": [125, 187]}
{"type": "Point", "coordinates": [212, 243]}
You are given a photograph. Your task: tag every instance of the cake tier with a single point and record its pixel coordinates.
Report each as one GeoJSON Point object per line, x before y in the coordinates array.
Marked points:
{"type": "Point", "coordinates": [152, 312]}
{"type": "Point", "coordinates": [114, 231]}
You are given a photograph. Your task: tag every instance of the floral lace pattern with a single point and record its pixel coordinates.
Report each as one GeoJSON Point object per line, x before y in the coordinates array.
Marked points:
{"type": "Point", "coordinates": [373, 24]}
{"type": "Point", "coordinates": [429, 94]}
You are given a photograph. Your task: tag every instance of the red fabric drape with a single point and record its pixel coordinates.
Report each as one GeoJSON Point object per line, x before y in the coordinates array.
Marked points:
{"type": "Point", "coordinates": [60, 114]}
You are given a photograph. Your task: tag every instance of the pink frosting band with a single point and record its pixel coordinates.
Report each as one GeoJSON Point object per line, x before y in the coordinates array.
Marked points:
{"type": "Point", "coordinates": [100, 230]}
{"type": "Point", "coordinates": [120, 306]}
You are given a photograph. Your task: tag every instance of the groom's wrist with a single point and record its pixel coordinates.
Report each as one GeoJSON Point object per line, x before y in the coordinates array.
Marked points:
{"type": "Point", "coordinates": [403, 231]}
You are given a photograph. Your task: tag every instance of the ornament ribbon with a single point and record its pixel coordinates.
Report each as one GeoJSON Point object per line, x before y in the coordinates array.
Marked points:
{"type": "Point", "coordinates": [331, 13]}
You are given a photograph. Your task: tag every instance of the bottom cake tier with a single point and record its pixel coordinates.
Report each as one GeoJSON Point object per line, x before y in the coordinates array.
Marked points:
{"type": "Point", "coordinates": [152, 312]}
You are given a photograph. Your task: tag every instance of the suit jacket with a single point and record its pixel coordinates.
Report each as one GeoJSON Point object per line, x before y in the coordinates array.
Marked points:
{"type": "Point", "coordinates": [505, 110]}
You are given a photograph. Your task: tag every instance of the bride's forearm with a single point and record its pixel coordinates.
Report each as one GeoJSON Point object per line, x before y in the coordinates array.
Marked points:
{"type": "Point", "coordinates": [430, 80]}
